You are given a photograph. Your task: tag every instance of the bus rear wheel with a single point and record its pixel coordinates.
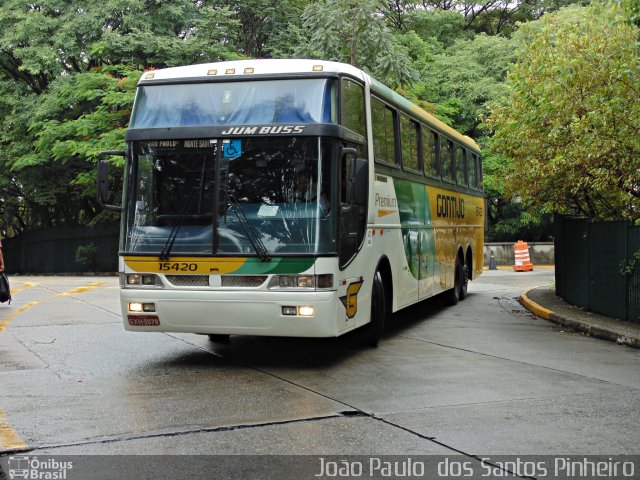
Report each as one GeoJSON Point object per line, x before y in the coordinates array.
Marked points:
{"type": "Point", "coordinates": [372, 332]}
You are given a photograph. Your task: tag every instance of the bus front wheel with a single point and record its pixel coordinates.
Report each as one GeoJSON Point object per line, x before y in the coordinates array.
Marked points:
{"type": "Point", "coordinates": [458, 291]}
{"type": "Point", "coordinates": [372, 332]}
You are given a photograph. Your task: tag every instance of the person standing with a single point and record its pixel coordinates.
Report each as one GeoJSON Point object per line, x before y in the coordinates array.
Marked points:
{"type": "Point", "coordinates": [1, 258]}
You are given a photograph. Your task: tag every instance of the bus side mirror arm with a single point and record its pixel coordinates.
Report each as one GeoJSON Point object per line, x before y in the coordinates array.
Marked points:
{"type": "Point", "coordinates": [348, 151]}
{"type": "Point", "coordinates": [102, 180]}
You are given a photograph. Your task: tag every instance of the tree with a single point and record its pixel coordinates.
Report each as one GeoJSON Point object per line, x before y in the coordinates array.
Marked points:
{"type": "Point", "coordinates": [263, 24]}
{"type": "Point", "coordinates": [355, 31]}
{"type": "Point", "coordinates": [464, 79]}
{"type": "Point", "coordinates": [445, 27]}
{"type": "Point", "coordinates": [571, 124]}
{"type": "Point", "coordinates": [67, 80]}
{"type": "Point", "coordinates": [68, 70]}
{"type": "Point", "coordinates": [496, 17]}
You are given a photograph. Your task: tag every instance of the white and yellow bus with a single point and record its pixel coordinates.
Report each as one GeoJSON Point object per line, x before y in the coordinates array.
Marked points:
{"type": "Point", "coordinates": [295, 198]}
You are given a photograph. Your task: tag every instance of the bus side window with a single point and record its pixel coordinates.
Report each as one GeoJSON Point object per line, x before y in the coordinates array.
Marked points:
{"type": "Point", "coordinates": [383, 139]}
{"type": "Point", "coordinates": [479, 172]}
{"type": "Point", "coordinates": [429, 152]}
{"type": "Point", "coordinates": [473, 170]}
{"type": "Point", "coordinates": [461, 166]}
{"type": "Point", "coordinates": [353, 115]}
{"type": "Point", "coordinates": [409, 143]}
{"type": "Point", "coordinates": [447, 158]}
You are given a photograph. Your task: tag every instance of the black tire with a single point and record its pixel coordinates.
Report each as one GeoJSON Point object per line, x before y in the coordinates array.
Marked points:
{"type": "Point", "coordinates": [465, 282]}
{"type": "Point", "coordinates": [454, 295]}
{"type": "Point", "coordinates": [372, 332]}
{"type": "Point", "coordinates": [219, 338]}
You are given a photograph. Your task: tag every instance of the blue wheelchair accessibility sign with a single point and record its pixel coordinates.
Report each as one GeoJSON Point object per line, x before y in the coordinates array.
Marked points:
{"type": "Point", "coordinates": [232, 149]}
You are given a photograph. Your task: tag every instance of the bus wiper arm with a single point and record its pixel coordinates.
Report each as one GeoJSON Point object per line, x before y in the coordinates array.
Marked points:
{"type": "Point", "coordinates": [249, 231]}
{"type": "Point", "coordinates": [175, 229]}
{"type": "Point", "coordinates": [166, 250]}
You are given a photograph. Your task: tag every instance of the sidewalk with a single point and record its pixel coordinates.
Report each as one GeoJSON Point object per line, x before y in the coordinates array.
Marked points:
{"type": "Point", "coordinates": [543, 302]}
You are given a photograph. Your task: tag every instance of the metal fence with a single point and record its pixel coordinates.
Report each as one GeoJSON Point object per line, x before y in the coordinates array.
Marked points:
{"type": "Point", "coordinates": [63, 250]}
{"type": "Point", "coordinates": [596, 266]}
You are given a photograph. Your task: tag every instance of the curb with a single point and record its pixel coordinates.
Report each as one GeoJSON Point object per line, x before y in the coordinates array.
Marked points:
{"type": "Point", "coordinates": [535, 308]}
{"type": "Point", "coordinates": [578, 325]}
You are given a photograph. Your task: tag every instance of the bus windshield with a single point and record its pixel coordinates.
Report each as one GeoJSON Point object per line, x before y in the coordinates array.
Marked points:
{"type": "Point", "coordinates": [215, 196]}
{"type": "Point", "coordinates": [235, 103]}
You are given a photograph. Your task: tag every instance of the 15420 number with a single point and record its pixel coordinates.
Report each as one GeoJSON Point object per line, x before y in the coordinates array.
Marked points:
{"type": "Point", "coordinates": [177, 267]}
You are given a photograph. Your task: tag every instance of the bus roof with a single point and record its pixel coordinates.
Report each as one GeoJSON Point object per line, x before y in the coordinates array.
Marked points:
{"type": "Point", "coordinates": [233, 68]}
{"type": "Point", "coordinates": [254, 67]}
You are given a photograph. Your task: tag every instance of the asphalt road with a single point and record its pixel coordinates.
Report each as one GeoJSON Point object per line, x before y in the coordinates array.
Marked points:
{"type": "Point", "coordinates": [482, 378]}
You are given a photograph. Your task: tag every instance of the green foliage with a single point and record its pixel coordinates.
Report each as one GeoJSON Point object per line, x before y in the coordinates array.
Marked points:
{"type": "Point", "coordinates": [443, 27]}
{"type": "Point", "coordinates": [67, 80]}
{"type": "Point", "coordinates": [627, 267]}
{"type": "Point", "coordinates": [353, 31]}
{"type": "Point", "coordinates": [464, 78]}
{"type": "Point", "coordinates": [55, 147]}
{"type": "Point", "coordinates": [632, 8]}
{"type": "Point", "coordinates": [510, 219]}
{"type": "Point", "coordinates": [86, 256]}
{"type": "Point", "coordinates": [81, 115]}
{"type": "Point", "coordinates": [571, 125]}
{"type": "Point", "coordinates": [68, 72]}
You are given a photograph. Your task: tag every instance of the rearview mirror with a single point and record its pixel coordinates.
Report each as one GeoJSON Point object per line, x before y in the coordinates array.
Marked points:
{"type": "Point", "coordinates": [103, 179]}
{"type": "Point", "coordinates": [357, 172]}
{"type": "Point", "coordinates": [360, 182]}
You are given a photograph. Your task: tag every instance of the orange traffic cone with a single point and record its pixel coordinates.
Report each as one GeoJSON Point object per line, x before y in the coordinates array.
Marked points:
{"type": "Point", "coordinates": [522, 260]}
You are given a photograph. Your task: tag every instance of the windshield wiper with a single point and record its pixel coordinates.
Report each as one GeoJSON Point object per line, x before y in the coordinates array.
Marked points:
{"type": "Point", "coordinates": [166, 250]}
{"type": "Point", "coordinates": [249, 231]}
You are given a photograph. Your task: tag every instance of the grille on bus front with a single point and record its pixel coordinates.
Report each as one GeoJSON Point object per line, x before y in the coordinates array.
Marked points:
{"type": "Point", "coordinates": [234, 281]}
{"type": "Point", "coordinates": [243, 281]}
{"type": "Point", "coordinates": [188, 280]}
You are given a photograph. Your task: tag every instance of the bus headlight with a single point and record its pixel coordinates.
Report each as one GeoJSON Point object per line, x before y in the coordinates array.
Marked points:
{"type": "Point", "coordinates": [306, 311]}
{"type": "Point", "coordinates": [307, 282]}
{"type": "Point", "coordinates": [301, 311]}
{"type": "Point", "coordinates": [283, 281]}
{"type": "Point", "coordinates": [138, 307]}
{"type": "Point", "coordinates": [143, 280]}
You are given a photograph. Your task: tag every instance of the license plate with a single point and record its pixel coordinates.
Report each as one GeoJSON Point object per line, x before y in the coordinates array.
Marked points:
{"type": "Point", "coordinates": [144, 320]}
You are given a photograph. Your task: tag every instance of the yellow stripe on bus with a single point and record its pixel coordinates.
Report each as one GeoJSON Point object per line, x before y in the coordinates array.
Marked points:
{"type": "Point", "coordinates": [185, 265]}
{"type": "Point", "coordinates": [383, 213]}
